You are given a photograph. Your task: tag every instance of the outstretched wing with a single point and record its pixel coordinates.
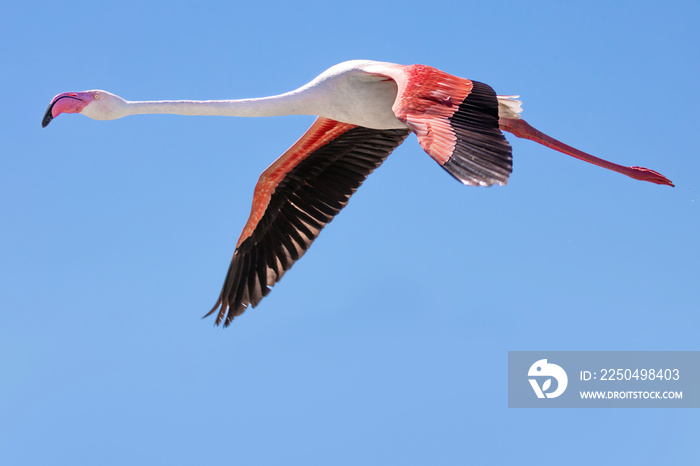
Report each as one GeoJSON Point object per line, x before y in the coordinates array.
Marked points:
{"type": "Point", "coordinates": [294, 199]}
{"type": "Point", "coordinates": [456, 121]}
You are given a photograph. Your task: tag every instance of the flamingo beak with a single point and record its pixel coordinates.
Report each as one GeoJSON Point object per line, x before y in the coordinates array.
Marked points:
{"type": "Point", "coordinates": [68, 102]}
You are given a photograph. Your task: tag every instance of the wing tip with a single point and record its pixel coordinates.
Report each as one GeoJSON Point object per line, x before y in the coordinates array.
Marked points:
{"type": "Point", "coordinates": [221, 308]}
{"type": "Point", "coordinates": [225, 313]}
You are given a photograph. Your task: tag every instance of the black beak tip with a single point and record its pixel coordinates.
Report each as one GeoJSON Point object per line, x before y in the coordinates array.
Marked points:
{"type": "Point", "coordinates": [48, 116]}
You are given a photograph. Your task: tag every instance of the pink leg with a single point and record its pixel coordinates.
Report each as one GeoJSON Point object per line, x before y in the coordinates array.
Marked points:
{"type": "Point", "coordinates": [522, 129]}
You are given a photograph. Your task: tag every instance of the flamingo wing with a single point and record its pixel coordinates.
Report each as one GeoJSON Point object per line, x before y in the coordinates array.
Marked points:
{"type": "Point", "coordinates": [294, 199]}
{"type": "Point", "coordinates": [456, 121]}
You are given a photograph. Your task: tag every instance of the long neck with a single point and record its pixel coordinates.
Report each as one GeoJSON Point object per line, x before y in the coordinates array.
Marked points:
{"type": "Point", "coordinates": [292, 103]}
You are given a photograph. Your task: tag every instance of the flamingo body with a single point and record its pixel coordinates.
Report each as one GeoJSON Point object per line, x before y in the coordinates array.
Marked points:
{"type": "Point", "coordinates": [366, 109]}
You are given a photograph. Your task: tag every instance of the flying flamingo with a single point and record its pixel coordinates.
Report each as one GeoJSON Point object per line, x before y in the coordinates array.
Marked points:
{"type": "Point", "coordinates": [366, 109]}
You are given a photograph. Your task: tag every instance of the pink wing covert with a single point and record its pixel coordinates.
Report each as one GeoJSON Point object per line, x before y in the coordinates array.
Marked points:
{"type": "Point", "coordinates": [456, 121]}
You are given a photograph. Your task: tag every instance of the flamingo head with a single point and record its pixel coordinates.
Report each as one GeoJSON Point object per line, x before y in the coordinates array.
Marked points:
{"type": "Point", "coordinates": [96, 104]}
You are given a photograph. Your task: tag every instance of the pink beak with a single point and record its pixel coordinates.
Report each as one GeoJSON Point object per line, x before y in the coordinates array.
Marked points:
{"type": "Point", "coordinates": [69, 102]}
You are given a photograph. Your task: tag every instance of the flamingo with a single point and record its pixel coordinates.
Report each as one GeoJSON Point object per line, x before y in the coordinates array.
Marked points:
{"type": "Point", "coordinates": [365, 110]}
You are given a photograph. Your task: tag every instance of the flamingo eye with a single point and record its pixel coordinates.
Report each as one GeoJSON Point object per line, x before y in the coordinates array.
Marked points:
{"type": "Point", "coordinates": [97, 96]}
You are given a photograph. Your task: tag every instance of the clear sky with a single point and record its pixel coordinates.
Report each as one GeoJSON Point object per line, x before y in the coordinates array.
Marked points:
{"type": "Point", "coordinates": [388, 342]}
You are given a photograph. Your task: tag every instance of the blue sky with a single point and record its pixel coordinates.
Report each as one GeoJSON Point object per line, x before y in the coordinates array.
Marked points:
{"type": "Point", "coordinates": [387, 343]}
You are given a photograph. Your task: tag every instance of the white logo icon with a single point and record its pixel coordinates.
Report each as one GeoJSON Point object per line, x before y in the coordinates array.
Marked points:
{"type": "Point", "coordinates": [543, 369]}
